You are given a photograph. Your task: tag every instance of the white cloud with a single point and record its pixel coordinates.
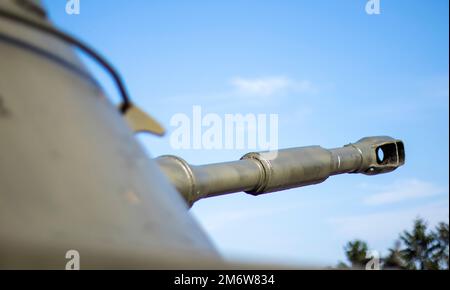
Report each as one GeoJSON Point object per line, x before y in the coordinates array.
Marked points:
{"type": "Point", "coordinates": [385, 226]}
{"type": "Point", "coordinates": [404, 191]}
{"type": "Point", "coordinates": [269, 86]}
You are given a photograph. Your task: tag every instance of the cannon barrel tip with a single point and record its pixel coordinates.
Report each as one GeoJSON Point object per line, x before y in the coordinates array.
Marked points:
{"type": "Point", "coordinates": [380, 154]}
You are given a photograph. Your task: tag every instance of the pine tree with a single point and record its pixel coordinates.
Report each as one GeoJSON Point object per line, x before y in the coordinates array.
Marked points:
{"type": "Point", "coordinates": [356, 252]}
{"type": "Point", "coordinates": [441, 246]}
{"type": "Point", "coordinates": [394, 260]}
{"type": "Point", "coordinates": [418, 247]}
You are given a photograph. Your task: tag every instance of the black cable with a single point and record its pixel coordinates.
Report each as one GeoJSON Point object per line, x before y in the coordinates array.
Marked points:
{"type": "Point", "coordinates": [75, 42]}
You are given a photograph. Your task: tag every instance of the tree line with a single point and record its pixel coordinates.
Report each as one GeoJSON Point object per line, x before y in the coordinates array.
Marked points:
{"type": "Point", "coordinates": [419, 249]}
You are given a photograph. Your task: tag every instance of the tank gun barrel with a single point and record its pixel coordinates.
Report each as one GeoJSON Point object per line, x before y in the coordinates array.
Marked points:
{"type": "Point", "coordinates": [259, 173]}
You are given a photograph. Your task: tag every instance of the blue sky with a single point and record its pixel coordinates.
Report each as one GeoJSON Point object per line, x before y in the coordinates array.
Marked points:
{"type": "Point", "coordinates": [345, 75]}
